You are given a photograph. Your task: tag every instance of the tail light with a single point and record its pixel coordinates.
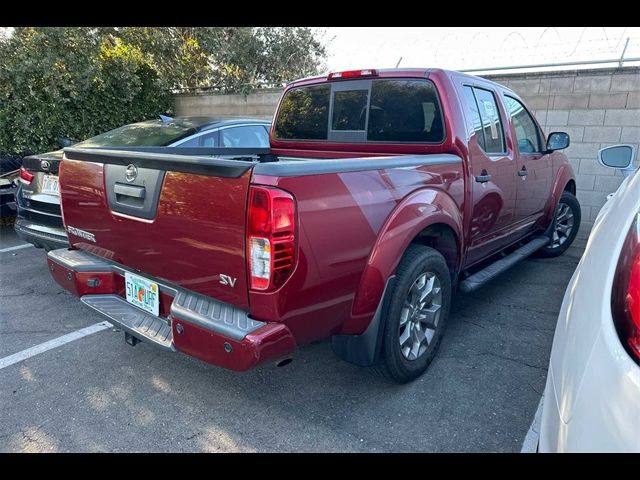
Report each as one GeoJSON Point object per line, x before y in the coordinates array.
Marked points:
{"type": "Point", "coordinates": [625, 302]}
{"type": "Point", "coordinates": [25, 176]}
{"type": "Point", "coordinates": [271, 249]}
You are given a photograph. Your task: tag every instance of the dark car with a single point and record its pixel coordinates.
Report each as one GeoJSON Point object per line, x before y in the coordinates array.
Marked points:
{"type": "Point", "coordinates": [9, 171]}
{"type": "Point", "coordinates": [39, 219]}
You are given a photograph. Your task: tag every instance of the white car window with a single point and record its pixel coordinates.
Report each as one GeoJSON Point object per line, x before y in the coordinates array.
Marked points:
{"type": "Point", "coordinates": [245, 137]}
{"type": "Point", "coordinates": [194, 142]}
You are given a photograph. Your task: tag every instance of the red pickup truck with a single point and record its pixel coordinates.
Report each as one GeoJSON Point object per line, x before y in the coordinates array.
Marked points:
{"type": "Point", "coordinates": [381, 193]}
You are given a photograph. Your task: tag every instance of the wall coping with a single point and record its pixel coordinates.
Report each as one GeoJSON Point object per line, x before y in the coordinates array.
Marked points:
{"type": "Point", "coordinates": [198, 93]}
{"type": "Point", "coordinates": [567, 73]}
{"type": "Point", "coordinates": [491, 76]}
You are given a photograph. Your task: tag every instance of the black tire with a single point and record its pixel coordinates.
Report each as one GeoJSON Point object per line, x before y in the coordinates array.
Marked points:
{"type": "Point", "coordinates": [393, 363]}
{"type": "Point", "coordinates": [557, 248]}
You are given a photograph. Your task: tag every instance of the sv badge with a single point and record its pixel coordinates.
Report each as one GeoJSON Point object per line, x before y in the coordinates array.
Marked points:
{"type": "Point", "coordinates": [227, 280]}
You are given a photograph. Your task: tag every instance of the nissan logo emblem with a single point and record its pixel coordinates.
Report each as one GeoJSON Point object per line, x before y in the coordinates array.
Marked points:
{"type": "Point", "coordinates": [45, 165]}
{"type": "Point", "coordinates": [131, 173]}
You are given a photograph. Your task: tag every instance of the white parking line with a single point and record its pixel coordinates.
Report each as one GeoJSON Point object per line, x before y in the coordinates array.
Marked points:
{"type": "Point", "coordinates": [55, 343]}
{"type": "Point", "coordinates": [531, 439]}
{"type": "Point", "coordinates": [17, 247]}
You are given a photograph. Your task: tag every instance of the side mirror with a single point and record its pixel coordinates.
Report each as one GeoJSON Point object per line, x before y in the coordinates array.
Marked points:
{"type": "Point", "coordinates": [617, 156]}
{"type": "Point", "coordinates": [557, 141]}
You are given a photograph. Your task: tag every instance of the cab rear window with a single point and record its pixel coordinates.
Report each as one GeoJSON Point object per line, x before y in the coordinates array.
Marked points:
{"type": "Point", "coordinates": [304, 113]}
{"type": "Point", "coordinates": [390, 111]}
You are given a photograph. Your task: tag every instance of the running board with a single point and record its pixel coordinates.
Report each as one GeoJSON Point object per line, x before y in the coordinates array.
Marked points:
{"type": "Point", "coordinates": [132, 320]}
{"type": "Point", "coordinates": [478, 279]}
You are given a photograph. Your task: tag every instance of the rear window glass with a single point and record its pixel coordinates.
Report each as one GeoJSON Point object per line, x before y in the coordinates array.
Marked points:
{"type": "Point", "coordinates": [404, 111]}
{"type": "Point", "coordinates": [150, 134]}
{"type": "Point", "coordinates": [304, 114]}
{"type": "Point", "coordinates": [388, 111]}
{"type": "Point", "coordinates": [349, 110]}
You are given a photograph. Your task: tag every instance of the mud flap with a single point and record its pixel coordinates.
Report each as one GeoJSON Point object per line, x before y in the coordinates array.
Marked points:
{"type": "Point", "coordinates": [364, 349]}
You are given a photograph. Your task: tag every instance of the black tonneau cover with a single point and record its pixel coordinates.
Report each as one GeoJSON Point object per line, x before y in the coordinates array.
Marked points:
{"type": "Point", "coordinates": [219, 162]}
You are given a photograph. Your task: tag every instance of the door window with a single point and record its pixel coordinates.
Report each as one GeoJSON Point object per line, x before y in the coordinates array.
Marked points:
{"type": "Point", "coordinates": [485, 119]}
{"type": "Point", "coordinates": [527, 134]}
{"type": "Point", "coordinates": [474, 115]}
{"type": "Point", "coordinates": [491, 124]}
{"type": "Point", "coordinates": [205, 140]}
{"type": "Point", "coordinates": [244, 137]}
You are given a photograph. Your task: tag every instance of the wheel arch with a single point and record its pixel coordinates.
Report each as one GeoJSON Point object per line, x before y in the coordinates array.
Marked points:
{"type": "Point", "coordinates": [564, 181]}
{"type": "Point", "coordinates": [443, 238]}
{"type": "Point", "coordinates": [429, 217]}
{"type": "Point", "coordinates": [364, 349]}
{"type": "Point", "coordinates": [570, 187]}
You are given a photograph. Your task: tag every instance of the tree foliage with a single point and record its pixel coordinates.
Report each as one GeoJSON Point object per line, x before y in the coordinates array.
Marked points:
{"type": "Point", "coordinates": [78, 82]}
{"type": "Point", "coordinates": [229, 59]}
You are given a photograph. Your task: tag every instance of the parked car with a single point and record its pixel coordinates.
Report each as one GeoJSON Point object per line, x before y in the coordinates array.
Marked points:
{"type": "Point", "coordinates": [38, 217]}
{"type": "Point", "coordinates": [8, 188]}
{"type": "Point", "coordinates": [381, 192]}
{"type": "Point", "coordinates": [9, 171]}
{"type": "Point", "coordinates": [592, 397]}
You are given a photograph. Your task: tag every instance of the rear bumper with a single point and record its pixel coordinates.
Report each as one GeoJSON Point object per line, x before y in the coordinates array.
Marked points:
{"type": "Point", "coordinates": [39, 220]}
{"type": "Point", "coordinates": [196, 325]}
{"type": "Point", "coordinates": [41, 236]}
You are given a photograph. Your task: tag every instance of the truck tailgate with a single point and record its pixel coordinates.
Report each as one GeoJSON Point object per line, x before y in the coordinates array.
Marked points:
{"type": "Point", "coordinates": [177, 218]}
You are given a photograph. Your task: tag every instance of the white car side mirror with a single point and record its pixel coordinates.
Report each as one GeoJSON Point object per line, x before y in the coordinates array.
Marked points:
{"type": "Point", "coordinates": [618, 156]}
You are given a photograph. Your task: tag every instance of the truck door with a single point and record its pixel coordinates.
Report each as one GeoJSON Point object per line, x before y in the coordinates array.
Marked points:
{"type": "Point", "coordinates": [535, 168]}
{"type": "Point", "coordinates": [493, 174]}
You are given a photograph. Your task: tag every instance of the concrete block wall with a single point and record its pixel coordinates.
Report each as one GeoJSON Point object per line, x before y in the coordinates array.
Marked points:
{"type": "Point", "coordinates": [259, 104]}
{"type": "Point", "coordinates": [597, 108]}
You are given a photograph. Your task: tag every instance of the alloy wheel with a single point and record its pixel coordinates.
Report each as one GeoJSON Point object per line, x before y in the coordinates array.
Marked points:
{"type": "Point", "coordinates": [420, 315]}
{"type": "Point", "coordinates": [563, 225]}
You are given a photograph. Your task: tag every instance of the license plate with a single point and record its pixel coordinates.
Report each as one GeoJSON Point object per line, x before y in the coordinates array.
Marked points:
{"type": "Point", "coordinates": [142, 293]}
{"type": "Point", "coordinates": [50, 185]}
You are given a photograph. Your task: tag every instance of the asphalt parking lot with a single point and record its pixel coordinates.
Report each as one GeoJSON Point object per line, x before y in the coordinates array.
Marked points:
{"type": "Point", "coordinates": [99, 394]}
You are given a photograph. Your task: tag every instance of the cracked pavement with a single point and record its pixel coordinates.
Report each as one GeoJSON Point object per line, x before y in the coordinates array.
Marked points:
{"type": "Point", "coordinates": [99, 394]}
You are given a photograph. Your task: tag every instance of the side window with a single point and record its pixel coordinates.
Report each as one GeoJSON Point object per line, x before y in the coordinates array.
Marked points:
{"type": "Point", "coordinates": [241, 137]}
{"type": "Point", "coordinates": [209, 140]}
{"type": "Point", "coordinates": [205, 140]}
{"type": "Point", "coordinates": [491, 124]}
{"type": "Point", "coordinates": [472, 109]}
{"type": "Point", "coordinates": [527, 134]}
{"type": "Point", "coordinates": [194, 142]}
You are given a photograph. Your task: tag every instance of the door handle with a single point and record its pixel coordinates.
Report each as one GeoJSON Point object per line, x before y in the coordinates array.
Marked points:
{"type": "Point", "coordinates": [523, 172]}
{"type": "Point", "coordinates": [129, 190]}
{"type": "Point", "coordinates": [485, 177]}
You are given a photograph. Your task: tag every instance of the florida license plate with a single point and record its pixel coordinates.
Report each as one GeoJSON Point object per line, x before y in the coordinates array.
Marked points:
{"type": "Point", "coordinates": [50, 184]}
{"type": "Point", "coordinates": [142, 293]}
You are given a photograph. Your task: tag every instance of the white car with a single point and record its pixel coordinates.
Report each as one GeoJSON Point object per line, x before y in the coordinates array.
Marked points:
{"type": "Point", "coordinates": [592, 397]}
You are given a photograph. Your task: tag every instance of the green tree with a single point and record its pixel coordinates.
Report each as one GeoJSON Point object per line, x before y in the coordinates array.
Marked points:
{"type": "Point", "coordinates": [77, 82]}
{"type": "Point", "coordinates": [229, 59]}
{"type": "Point", "coordinates": [71, 82]}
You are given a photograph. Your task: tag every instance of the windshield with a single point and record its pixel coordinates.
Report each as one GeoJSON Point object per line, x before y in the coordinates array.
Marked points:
{"type": "Point", "coordinates": [150, 133]}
